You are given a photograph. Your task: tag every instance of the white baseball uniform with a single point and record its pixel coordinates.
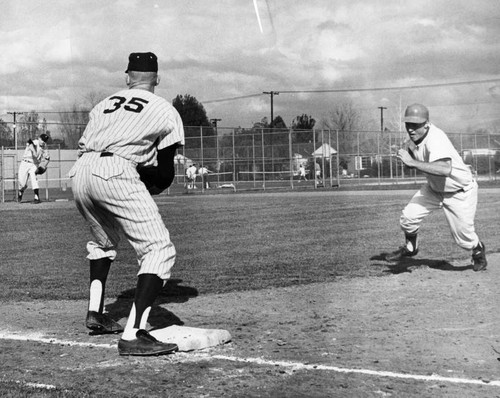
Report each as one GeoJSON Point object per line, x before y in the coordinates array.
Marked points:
{"type": "Point", "coordinates": [456, 194]}
{"type": "Point", "coordinates": [191, 176]}
{"type": "Point", "coordinates": [33, 155]}
{"type": "Point", "coordinates": [125, 131]}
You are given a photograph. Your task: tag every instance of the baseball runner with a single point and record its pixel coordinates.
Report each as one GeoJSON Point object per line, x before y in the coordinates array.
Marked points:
{"type": "Point", "coordinates": [126, 154]}
{"type": "Point", "coordinates": [35, 160]}
{"type": "Point", "coordinates": [450, 186]}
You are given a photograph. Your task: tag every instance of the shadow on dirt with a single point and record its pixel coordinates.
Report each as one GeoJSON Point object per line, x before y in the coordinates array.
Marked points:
{"type": "Point", "coordinates": [159, 317]}
{"type": "Point", "coordinates": [411, 264]}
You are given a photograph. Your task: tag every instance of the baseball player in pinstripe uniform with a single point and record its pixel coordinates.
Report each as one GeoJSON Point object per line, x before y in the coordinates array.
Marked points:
{"type": "Point", "coordinates": [35, 160]}
{"type": "Point", "coordinates": [450, 186]}
{"type": "Point", "coordinates": [126, 154]}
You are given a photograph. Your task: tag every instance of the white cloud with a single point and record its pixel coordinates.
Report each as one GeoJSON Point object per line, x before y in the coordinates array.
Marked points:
{"type": "Point", "coordinates": [215, 50]}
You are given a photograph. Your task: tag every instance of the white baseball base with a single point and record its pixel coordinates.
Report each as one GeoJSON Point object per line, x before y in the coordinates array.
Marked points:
{"type": "Point", "coordinates": [189, 339]}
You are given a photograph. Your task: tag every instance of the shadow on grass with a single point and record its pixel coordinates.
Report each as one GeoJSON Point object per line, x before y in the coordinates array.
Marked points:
{"type": "Point", "coordinates": [411, 264]}
{"type": "Point", "coordinates": [159, 317]}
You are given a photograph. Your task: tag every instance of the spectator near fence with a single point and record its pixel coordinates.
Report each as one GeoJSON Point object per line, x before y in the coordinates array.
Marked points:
{"type": "Point", "coordinates": [302, 173]}
{"type": "Point", "coordinates": [203, 173]}
{"type": "Point", "coordinates": [191, 176]}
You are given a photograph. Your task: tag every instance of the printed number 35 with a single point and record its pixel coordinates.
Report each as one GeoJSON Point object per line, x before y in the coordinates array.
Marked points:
{"type": "Point", "coordinates": [134, 104]}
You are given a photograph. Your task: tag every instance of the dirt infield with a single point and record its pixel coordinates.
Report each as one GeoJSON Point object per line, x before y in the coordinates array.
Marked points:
{"type": "Point", "coordinates": [423, 330]}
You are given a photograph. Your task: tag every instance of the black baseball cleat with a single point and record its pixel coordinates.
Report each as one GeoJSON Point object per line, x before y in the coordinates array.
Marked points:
{"type": "Point", "coordinates": [37, 201]}
{"type": "Point", "coordinates": [479, 262]}
{"type": "Point", "coordinates": [102, 323]}
{"type": "Point", "coordinates": [401, 254]}
{"type": "Point", "coordinates": [145, 345]}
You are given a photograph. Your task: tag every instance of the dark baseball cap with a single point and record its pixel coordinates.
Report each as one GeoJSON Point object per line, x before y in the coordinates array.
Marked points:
{"type": "Point", "coordinates": [44, 137]}
{"type": "Point", "coordinates": [142, 62]}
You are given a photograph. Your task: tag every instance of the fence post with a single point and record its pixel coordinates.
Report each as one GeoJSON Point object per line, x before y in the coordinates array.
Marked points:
{"type": "Point", "coordinates": [2, 166]}
{"type": "Point", "coordinates": [59, 157]}
{"type": "Point", "coordinates": [202, 159]}
{"type": "Point", "coordinates": [263, 161]}
{"type": "Point", "coordinates": [330, 157]}
{"type": "Point", "coordinates": [254, 165]}
{"type": "Point", "coordinates": [338, 158]}
{"type": "Point", "coordinates": [234, 161]}
{"type": "Point", "coordinates": [290, 153]}
{"type": "Point", "coordinates": [314, 160]}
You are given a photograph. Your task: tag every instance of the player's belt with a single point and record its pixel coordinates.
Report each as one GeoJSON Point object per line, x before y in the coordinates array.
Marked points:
{"type": "Point", "coordinates": [27, 161]}
{"type": "Point", "coordinates": [105, 154]}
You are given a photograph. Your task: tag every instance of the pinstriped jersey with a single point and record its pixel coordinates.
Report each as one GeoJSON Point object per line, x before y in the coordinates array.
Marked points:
{"type": "Point", "coordinates": [132, 124]}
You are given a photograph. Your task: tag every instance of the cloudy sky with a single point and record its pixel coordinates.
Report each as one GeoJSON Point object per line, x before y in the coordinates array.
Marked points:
{"type": "Point", "coordinates": [315, 53]}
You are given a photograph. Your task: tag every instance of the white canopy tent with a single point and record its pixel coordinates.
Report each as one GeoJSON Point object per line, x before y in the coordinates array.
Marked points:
{"type": "Point", "coordinates": [324, 151]}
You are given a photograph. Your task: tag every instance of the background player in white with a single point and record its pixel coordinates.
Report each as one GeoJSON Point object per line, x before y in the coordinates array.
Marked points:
{"type": "Point", "coordinates": [302, 173]}
{"type": "Point", "coordinates": [203, 173]}
{"type": "Point", "coordinates": [126, 154]}
{"type": "Point", "coordinates": [35, 160]}
{"type": "Point", "coordinates": [191, 176]}
{"type": "Point", "coordinates": [450, 186]}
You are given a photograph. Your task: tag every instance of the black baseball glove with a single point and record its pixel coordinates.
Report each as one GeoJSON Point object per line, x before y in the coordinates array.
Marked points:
{"type": "Point", "coordinates": [149, 176]}
{"type": "Point", "coordinates": [158, 178]}
{"type": "Point", "coordinates": [40, 170]}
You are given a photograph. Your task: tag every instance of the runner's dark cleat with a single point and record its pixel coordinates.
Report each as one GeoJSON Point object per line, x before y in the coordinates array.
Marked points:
{"type": "Point", "coordinates": [479, 262]}
{"type": "Point", "coordinates": [102, 323]}
{"type": "Point", "coordinates": [401, 254]}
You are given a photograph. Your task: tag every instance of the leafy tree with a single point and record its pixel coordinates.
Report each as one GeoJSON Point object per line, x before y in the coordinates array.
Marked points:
{"type": "Point", "coordinates": [6, 138]}
{"type": "Point", "coordinates": [303, 122]}
{"type": "Point", "coordinates": [303, 125]}
{"type": "Point", "coordinates": [279, 123]}
{"type": "Point", "coordinates": [193, 115]}
{"type": "Point", "coordinates": [191, 111]}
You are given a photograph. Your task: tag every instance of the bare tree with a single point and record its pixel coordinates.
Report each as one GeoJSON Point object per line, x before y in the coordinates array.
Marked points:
{"type": "Point", "coordinates": [92, 98]}
{"type": "Point", "coordinates": [345, 118]}
{"type": "Point", "coordinates": [28, 126]}
{"type": "Point", "coordinates": [73, 122]}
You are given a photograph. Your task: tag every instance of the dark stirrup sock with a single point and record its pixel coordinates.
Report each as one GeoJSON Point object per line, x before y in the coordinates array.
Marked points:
{"type": "Point", "coordinates": [148, 288]}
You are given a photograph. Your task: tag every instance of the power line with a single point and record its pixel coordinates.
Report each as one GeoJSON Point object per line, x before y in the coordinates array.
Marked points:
{"type": "Point", "coordinates": [231, 98]}
{"type": "Point", "coordinates": [347, 90]}
{"type": "Point", "coordinates": [343, 90]}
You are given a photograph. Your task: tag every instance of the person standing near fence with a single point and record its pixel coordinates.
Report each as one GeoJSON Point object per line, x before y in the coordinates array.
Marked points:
{"type": "Point", "coordinates": [450, 186]}
{"type": "Point", "coordinates": [302, 173]}
{"type": "Point", "coordinates": [35, 160]}
{"type": "Point", "coordinates": [191, 176]}
{"type": "Point", "coordinates": [203, 173]}
{"type": "Point", "coordinates": [126, 154]}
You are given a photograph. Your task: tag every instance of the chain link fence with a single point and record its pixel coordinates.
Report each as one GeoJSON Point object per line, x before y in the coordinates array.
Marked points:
{"type": "Point", "coordinates": [263, 158]}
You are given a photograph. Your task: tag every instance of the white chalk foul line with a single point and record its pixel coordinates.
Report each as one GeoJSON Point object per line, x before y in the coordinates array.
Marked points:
{"type": "Point", "coordinates": [302, 366]}
{"type": "Point", "coordinates": [40, 339]}
{"type": "Point", "coordinates": [267, 362]}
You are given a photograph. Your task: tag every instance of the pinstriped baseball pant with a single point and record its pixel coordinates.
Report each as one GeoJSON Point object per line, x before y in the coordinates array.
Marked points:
{"type": "Point", "coordinates": [111, 197]}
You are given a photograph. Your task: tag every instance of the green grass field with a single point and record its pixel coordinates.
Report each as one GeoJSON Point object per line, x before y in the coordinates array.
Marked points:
{"type": "Point", "coordinates": [229, 242]}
